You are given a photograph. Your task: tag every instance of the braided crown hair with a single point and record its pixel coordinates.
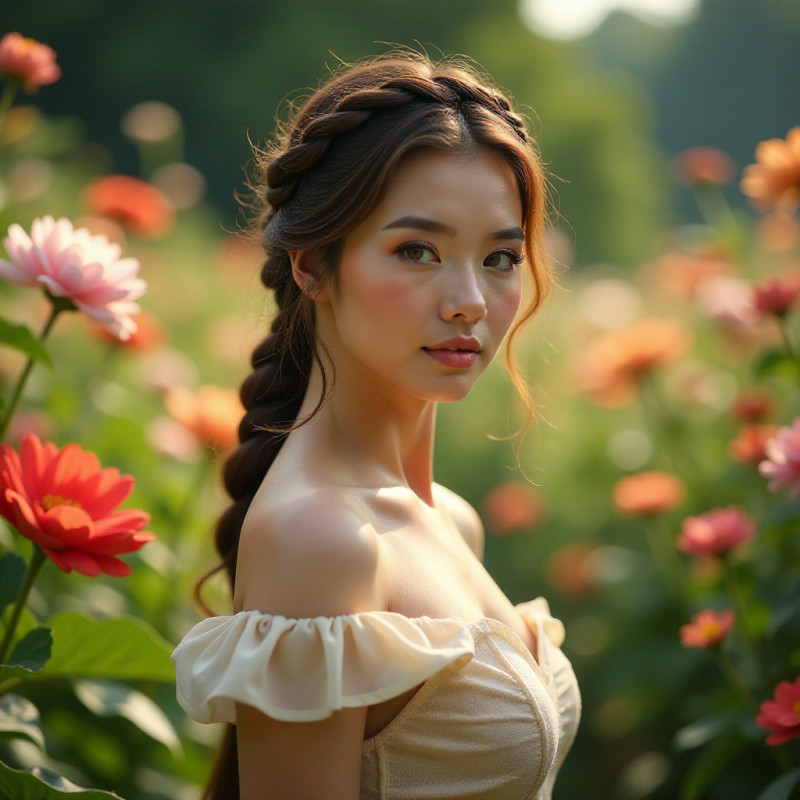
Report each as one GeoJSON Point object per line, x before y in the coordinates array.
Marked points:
{"type": "Point", "coordinates": [324, 173]}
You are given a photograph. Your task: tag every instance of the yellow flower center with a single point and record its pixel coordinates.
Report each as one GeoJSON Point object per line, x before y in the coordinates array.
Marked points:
{"type": "Point", "coordinates": [711, 629]}
{"type": "Point", "coordinates": [796, 707]}
{"type": "Point", "coordinates": [51, 500]}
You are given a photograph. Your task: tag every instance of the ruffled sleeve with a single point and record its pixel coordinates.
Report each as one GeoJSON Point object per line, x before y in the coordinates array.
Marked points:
{"type": "Point", "coordinates": [299, 670]}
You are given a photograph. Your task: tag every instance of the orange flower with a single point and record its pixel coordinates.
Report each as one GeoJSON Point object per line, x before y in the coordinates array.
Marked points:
{"type": "Point", "coordinates": [27, 62]}
{"type": "Point", "coordinates": [66, 504]}
{"type": "Point", "coordinates": [776, 295]}
{"type": "Point", "coordinates": [707, 629]}
{"type": "Point", "coordinates": [212, 414]}
{"type": "Point", "coordinates": [704, 165]}
{"type": "Point", "coordinates": [752, 406]}
{"type": "Point", "coordinates": [748, 446]}
{"type": "Point", "coordinates": [617, 359]}
{"type": "Point", "coordinates": [570, 569]}
{"type": "Point", "coordinates": [137, 204]}
{"type": "Point", "coordinates": [512, 507]}
{"type": "Point", "coordinates": [775, 179]}
{"type": "Point", "coordinates": [648, 493]}
{"type": "Point", "coordinates": [684, 273]}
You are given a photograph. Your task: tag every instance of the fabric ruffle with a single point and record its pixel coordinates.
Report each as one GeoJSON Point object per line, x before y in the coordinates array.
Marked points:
{"type": "Point", "coordinates": [299, 670]}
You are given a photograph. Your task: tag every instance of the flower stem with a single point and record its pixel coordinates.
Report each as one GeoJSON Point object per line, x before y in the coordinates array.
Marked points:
{"type": "Point", "coordinates": [741, 613]}
{"type": "Point", "coordinates": [787, 341]}
{"type": "Point", "coordinates": [33, 568]}
{"type": "Point", "coordinates": [733, 679]}
{"type": "Point", "coordinates": [7, 98]}
{"type": "Point", "coordinates": [54, 312]}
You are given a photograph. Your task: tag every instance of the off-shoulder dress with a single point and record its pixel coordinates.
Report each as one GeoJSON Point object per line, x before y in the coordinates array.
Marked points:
{"type": "Point", "coordinates": [489, 722]}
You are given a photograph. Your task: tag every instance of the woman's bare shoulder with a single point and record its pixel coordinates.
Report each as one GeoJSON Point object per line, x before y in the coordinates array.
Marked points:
{"type": "Point", "coordinates": [465, 518]}
{"type": "Point", "coordinates": [311, 554]}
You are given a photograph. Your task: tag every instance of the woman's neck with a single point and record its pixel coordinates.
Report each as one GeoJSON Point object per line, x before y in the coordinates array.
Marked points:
{"type": "Point", "coordinates": [374, 434]}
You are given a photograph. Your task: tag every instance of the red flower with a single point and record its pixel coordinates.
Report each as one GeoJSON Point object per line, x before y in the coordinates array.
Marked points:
{"type": "Point", "coordinates": [782, 462]}
{"type": "Point", "coordinates": [133, 202]}
{"type": "Point", "coordinates": [782, 714]}
{"type": "Point", "coordinates": [64, 502]}
{"type": "Point", "coordinates": [707, 629]}
{"type": "Point", "coordinates": [27, 61]}
{"type": "Point", "coordinates": [513, 507]}
{"type": "Point", "coordinates": [648, 493]}
{"type": "Point", "coordinates": [749, 446]}
{"type": "Point", "coordinates": [752, 406]}
{"type": "Point", "coordinates": [776, 295]}
{"type": "Point", "coordinates": [704, 165]}
{"type": "Point", "coordinates": [717, 531]}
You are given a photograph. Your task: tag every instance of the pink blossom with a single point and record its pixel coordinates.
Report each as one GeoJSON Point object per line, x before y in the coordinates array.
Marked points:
{"type": "Point", "coordinates": [707, 629]}
{"type": "Point", "coordinates": [717, 531]}
{"type": "Point", "coordinates": [31, 63]}
{"type": "Point", "coordinates": [782, 463]}
{"type": "Point", "coordinates": [74, 264]}
{"type": "Point", "coordinates": [781, 715]}
{"type": "Point", "coordinates": [776, 295]}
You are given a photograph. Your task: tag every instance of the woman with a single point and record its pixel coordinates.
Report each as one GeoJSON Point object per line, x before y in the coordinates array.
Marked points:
{"type": "Point", "coordinates": [370, 654]}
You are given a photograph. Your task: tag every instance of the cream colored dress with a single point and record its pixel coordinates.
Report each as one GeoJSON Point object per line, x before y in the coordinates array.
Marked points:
{"type": "Point", "coordinates": [489, 722]}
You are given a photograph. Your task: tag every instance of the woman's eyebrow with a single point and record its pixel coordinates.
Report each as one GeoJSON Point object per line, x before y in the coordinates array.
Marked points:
{"type": "Point", "coordinates": [432, 226]}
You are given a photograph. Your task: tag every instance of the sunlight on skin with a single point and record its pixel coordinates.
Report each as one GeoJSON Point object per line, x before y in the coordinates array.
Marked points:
{"type": "Point", "coordinates": [573, 19]}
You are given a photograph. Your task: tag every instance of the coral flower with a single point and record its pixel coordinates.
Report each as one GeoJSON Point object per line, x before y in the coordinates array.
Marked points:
{"type": "Point", "coordinates": [64, 502]}
{"type": "Point", "coordinates": [781, 715]}
{"type": "Point", "coordinates": [73, 264]}
{"type": "Point", "coordinates": [749, 446]}
{"type": "Point", "coordinates": [684, 273]}
{"type": "Point", "coordinates": [135, 203]}
{"type": "Point", "coordinates": [617, 359]}
{"type": "Point", "coordinates": [704, 166]}
{"type": "Point", "coordinates": [752, 406]}
{"type": "Point", "coordinates": [571, 569]}
{"type": "Point", "coordinates": [776, 295]}
{"type": "Point", "coordinates": [513, 507]}
{"type": "Point", "coordinates": [715, 532]}
{"type": "Point", "coordinates": [707, 629]}
{"type": "Point", "coordinates": [149, 334]}
{"type": "Point", "coordinates": [648, 493]}
{"type": "Point", "coordinates": [782, 463]}
{"type": "Point", "coordinates": [28, 62]}
{"type": "Point", "coordinates": [775, 179]}
{"type": "Point", "coordinates": [212, 414]}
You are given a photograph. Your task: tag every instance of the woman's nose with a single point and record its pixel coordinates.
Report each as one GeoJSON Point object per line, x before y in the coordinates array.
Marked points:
{"type": "Point", "coordinates": [464, 297]}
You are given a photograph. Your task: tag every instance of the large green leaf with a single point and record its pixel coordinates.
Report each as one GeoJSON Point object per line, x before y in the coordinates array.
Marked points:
{"type": "Point", "coordinates": [124, 649]}
{"type": "Point", "coordinates": [32, 650]}
{"type": "Point", "coordinates": [20, 338]}
{"type": "Point", "coordinates": [781, 788]}
{"type": "Point", "coordinates": [41, 784]}
{"type": "Point", "coordinates": [106, 698]}
{"type": "Point", "coordinates": [12, 574]}
{"type": "Point", "coordinates": [20, 718]}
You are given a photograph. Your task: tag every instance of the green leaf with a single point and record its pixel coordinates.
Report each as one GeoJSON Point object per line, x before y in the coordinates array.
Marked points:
{"type": "Point", "coordinates": [772, 362]}
{"type": "Point", "coordinates": [704, 730]}
{"type": "Point", "coordinates": [20, 718]}
{"type": "Point", "coordinates": [33, 650]}
{"type": "Point", "coordinates": [20, 338]}
{"type": "Point", "coordinates": [781, 788]}
{"type": "Point", "coordinates": [12, 574]}
{"type": "Point", "coordinates": [105, 698]}
{"type": "Point", "coordinates": [41, 784]}
{"type": "Point", "coordinates": [124, 649]}
{"type": "Point", "coordinates": [709, 764]}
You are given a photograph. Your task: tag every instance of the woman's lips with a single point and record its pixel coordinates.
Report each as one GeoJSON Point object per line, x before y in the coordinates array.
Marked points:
{"type": "Point", "coordinates": [458, 359]}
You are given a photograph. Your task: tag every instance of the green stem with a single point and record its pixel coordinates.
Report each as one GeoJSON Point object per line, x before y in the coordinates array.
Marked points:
{"type": "Point", "coordinates": [33, 568]}
{"type": "Point", "coordinates": [54, 312]}
{"type": "Point", "coordinates": [741, 613]}
{"type": "Point", "coordinates": [791, 350]}
{"type": "Point", "coordinates": [6, 99]}
{"type": "Point", "coordinates": [733, 679]}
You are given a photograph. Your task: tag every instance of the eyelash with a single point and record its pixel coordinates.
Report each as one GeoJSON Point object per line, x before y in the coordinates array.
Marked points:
{"type": "Point", "coordinates": [514, 256]}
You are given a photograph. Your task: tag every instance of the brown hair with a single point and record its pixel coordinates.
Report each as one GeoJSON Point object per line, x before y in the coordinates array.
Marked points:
{"type": "Point", "coordinates": [326, 171]}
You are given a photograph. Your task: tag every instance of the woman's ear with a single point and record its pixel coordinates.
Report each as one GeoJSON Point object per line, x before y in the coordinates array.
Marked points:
{"type": "Point", "coordinates": [305, 274]}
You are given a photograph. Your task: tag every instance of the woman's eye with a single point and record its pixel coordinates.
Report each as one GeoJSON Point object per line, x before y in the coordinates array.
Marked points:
{"type": "Point", "coordinates": [420, 253]}
{"type": "Point", "coordinates": [503, 260]}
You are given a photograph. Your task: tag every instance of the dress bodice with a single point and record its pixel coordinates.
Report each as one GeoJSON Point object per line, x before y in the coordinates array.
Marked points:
{"type": "Point", "coordinates": [489, 720]}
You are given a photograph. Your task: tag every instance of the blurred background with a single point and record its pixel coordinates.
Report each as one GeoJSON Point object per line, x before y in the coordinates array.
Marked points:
{"type": "Point", "coordinates": [615, 90]}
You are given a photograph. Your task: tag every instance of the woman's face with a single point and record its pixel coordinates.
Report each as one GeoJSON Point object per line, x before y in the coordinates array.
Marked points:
{"type": "Point", "coordinates": [429, 284]}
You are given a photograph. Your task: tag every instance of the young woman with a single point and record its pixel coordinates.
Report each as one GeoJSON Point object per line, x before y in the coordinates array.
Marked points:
{"type": "Point", "coordinates": [370, 654]}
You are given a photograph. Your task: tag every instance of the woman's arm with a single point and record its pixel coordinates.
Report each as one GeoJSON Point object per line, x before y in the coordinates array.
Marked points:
{"type": "Point", "coordinates": [304, 559]}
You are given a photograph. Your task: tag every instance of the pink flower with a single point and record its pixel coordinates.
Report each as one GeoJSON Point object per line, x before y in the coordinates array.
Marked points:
{"type": "Point", "coordinates": [704, 165]}
{"type": "Point", "coordinates": [782, 464]}
{"type": "Point", "coordinates": [64, 502]}
{"type": "Point", "coordinates": [715, 532]}
{"type": "Point", "coordinates": [782, 714]}
{"type": "Point", "coordinates": [776, 295]}
{"type": "Point", "coordinates": [74, 264]}
{"type": "Point", "coordinates": [707, 629]}
{"type": "Point", "coordinates": [27, 61]}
